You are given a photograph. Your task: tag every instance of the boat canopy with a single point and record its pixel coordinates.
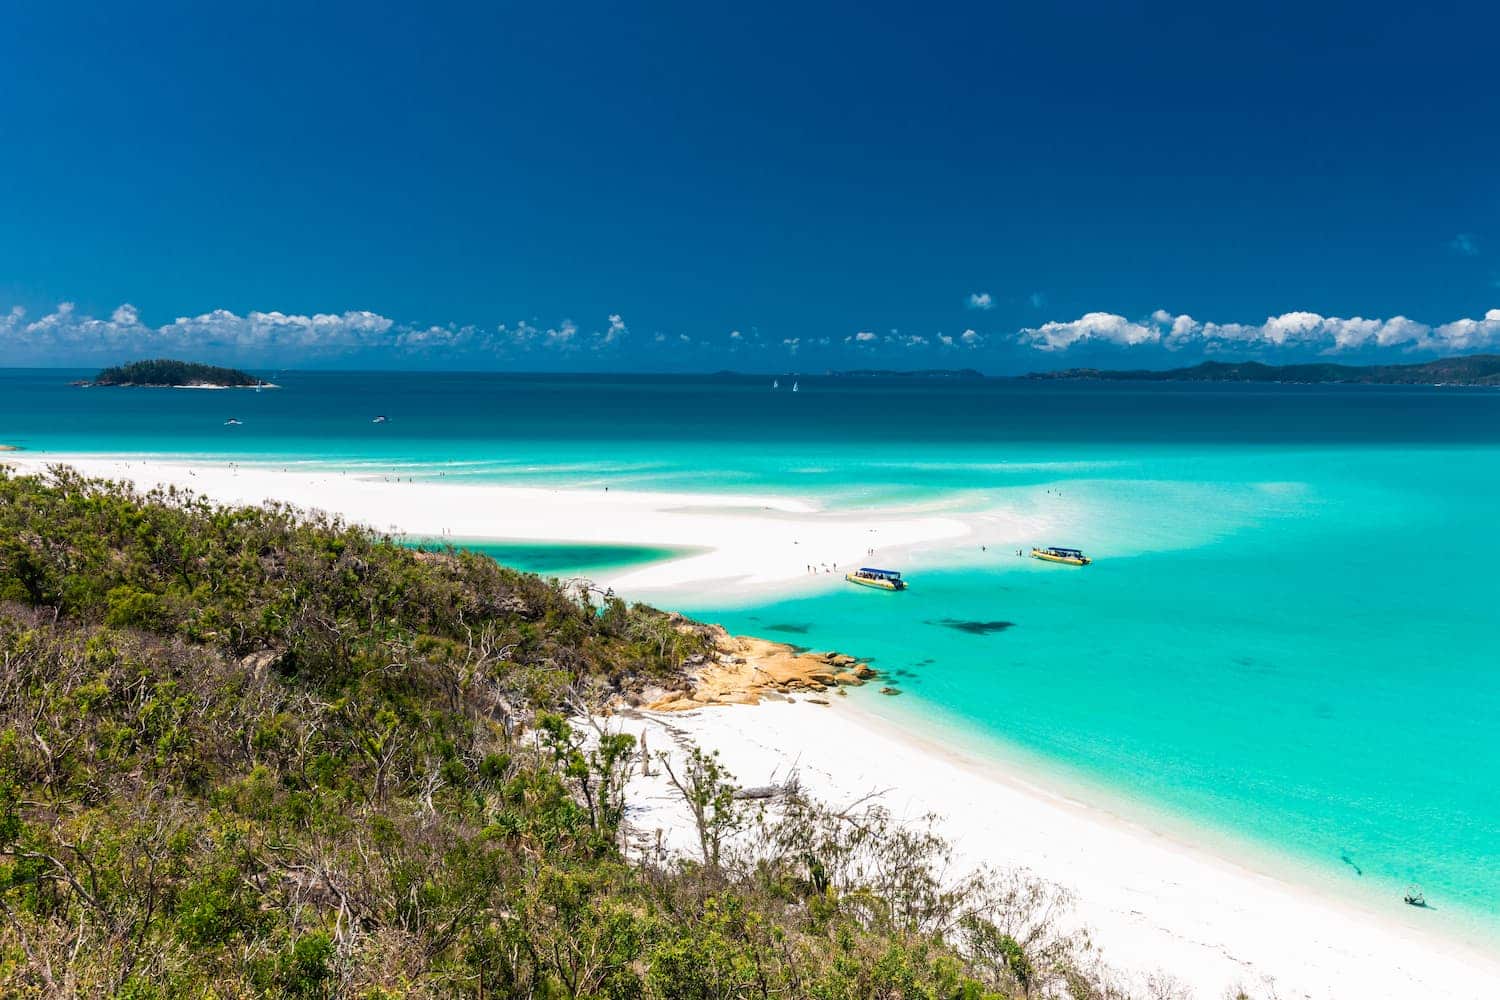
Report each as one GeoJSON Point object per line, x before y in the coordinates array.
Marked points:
{"type": "Point", "coordinates": [1063, 552]}
{"type": "Point", "coordinates": [884, 574]}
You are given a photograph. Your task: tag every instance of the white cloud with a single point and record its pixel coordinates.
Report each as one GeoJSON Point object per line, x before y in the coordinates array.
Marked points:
{"type": "Point", "coordinates": [1107, 327]}
{"type": "Point", "coordinates": [981, 300]}
{"type": "Point", "coordinates": [67, 335]}
{"type": "Point", "coordinates": [617, 329]}
{"type": "Point", "coordinates": [1466, 334]}
{"type": "Point", "coordinates": [1298, 329]}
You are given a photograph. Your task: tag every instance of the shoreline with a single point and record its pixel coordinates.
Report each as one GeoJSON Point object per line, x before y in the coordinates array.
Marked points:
{"type": "Point", "coordinates": [1153, 900]}
{"type": "Point", "coordinates": [744, 545]}
{"type": "Point", "coordinates": [1176, 901]}
{"type": "Point", "coordinates": [1373, 895]}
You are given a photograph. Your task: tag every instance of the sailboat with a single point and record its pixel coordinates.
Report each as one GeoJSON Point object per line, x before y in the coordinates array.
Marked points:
{"type": "Point", "coordinates": [794, 386]}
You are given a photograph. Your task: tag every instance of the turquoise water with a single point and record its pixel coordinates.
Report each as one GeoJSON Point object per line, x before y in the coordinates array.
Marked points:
{"type": "Point", "coordinates": [561, 560]}
{"type": "Point", "coordinates": [1340, 709]}
{"type": "Point", "coordinates": [1287, 639]}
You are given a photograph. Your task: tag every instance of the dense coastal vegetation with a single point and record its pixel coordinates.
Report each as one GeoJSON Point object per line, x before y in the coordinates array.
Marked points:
{"type": "Point", "coordinates": [1475, 369]}
{"type": "Point", "coordinates": [254, 752]}
{"type": "Point", "coordinates": [164, 372]}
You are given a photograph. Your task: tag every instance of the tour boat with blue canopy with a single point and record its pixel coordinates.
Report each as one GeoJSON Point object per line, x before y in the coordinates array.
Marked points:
{"type": "Point", "coordinates": [1070, 557]}
{"type": "Point", "coordinates": [881, 579]}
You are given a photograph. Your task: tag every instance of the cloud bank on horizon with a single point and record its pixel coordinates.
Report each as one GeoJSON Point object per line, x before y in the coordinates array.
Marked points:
{"type": "Point", "coordinates": [1325, 334]}
{"type": "Point", "coordinates": [284, 338]}
{"type": "Point", "coordinates": [69, 336]}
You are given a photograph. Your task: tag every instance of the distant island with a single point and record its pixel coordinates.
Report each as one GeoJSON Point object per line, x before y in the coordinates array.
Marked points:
{"type": "Point", "coordinates": [1476, 369]}
{"type": "Point", "coordinates": [164, 372]}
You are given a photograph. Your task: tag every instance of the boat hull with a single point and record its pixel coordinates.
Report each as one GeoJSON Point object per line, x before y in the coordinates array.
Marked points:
{"type": "Point", "coordinates": [875, 584]}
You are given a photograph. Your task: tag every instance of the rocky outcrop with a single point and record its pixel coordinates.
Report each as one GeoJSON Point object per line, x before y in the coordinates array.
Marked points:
{"type": "Point", "coordinates": [744, 670]}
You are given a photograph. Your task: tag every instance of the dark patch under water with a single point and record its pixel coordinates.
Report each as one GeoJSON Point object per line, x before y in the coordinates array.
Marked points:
{"type": "Point", "coordinates": [973, 627]}
{"type": "Point", "coordinates": [787, 627]}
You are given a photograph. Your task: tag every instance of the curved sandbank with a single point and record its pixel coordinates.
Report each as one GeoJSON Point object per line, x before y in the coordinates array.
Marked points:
{"type": "Point", "coordinates": [741, 544]}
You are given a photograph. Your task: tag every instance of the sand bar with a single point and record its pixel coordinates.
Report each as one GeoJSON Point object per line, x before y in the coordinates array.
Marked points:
{"type": "Point", "coordinates": [743, 544]}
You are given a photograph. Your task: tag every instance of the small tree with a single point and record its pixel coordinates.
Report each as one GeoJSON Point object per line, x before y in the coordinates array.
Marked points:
{"type": "Point", "coordinates": [708, 790]}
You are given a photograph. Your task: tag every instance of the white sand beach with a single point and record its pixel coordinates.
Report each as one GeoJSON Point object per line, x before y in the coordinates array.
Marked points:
{"type": "Point", "coordinates": [1151, 901]}
{"type": "Point", "coordinates": [737, 543]}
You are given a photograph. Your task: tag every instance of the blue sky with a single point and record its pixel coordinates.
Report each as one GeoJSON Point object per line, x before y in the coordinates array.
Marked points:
{"type": "Point", "coordinates": [774, 187]}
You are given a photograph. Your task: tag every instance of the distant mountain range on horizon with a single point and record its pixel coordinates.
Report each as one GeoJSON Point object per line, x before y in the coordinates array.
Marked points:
{"type": "Point", "coordinates": [1462, 370]}
{"type": "Point", "coordinates": [1474, 369]}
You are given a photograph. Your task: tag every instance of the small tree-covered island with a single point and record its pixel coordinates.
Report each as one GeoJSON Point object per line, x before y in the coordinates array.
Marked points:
{"type": "Point", "coordinates": [170, 373]}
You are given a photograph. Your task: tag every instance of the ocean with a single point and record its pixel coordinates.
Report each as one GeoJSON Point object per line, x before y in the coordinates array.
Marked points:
{"type": "Point", "coordinates": [1286, 645]}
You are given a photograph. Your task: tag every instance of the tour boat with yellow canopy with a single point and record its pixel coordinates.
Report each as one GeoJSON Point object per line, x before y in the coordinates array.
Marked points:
{"type": "Point", "coordinates": [1070, 557]}
{"type": "Point", "coordinates": [880, 579]}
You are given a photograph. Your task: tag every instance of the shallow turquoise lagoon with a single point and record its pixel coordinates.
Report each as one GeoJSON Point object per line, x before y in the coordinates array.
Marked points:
{"type": "Point", "coordinates": [562, 559]}
{"type": "Point", "coordinates": [1317, 678]}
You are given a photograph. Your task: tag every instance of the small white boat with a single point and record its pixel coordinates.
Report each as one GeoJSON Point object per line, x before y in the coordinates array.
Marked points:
{"type": "Point", "coordinates": [379, 420]}
{"type": "Point", "coordinates": [794, 386]}
{"type": "Point", "coordinates": [776, 383]}
{"type": "Point", "coordinates": [232, 422]}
